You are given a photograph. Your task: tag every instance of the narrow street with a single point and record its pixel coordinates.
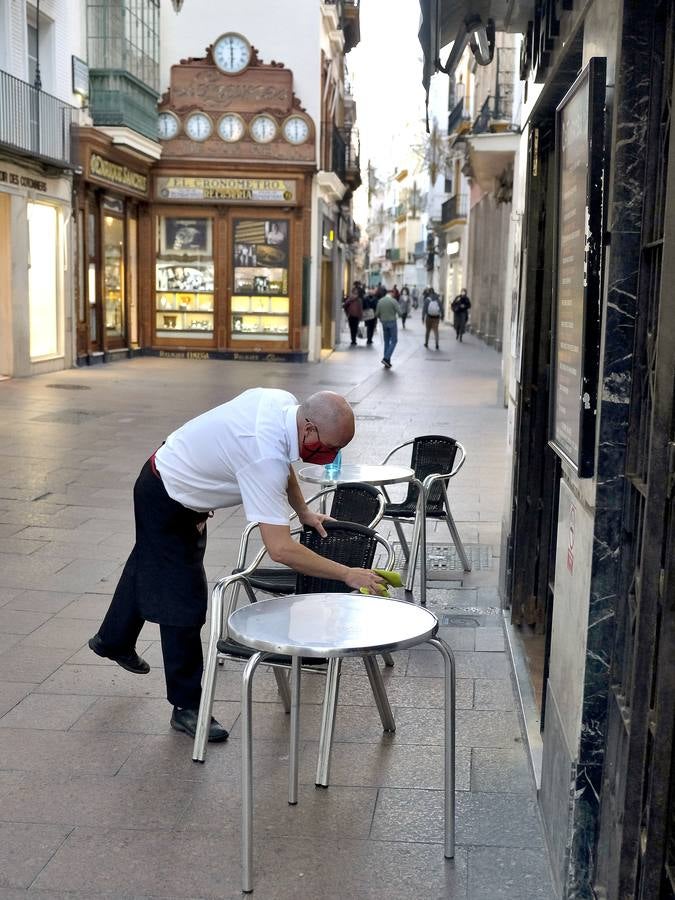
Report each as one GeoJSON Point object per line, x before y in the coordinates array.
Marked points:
{"type": "Point", "coordinates": [99, 798]}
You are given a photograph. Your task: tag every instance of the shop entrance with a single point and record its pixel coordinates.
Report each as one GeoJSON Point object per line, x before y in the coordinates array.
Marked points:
{"type": "Point", "coordinates": [327, 337]}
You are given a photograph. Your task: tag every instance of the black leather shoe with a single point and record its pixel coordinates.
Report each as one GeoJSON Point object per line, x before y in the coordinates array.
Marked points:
{"type": "Point", "coordinates": [132, 662]}
{"type": "Point", "coordinates": [186, 720]}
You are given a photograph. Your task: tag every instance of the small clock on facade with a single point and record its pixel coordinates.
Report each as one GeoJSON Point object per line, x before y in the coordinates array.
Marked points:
{"type": "Point", "coordinates": [168, 126]}
{"type": "Point", "coordinates": [296, 129]}
{"type": "Point", "coordinates": [263, 129]}
{"type": "Point", "coordinates": [198, 126]}
{"type": "Point", "coordinates": [231, 127]}
{"type": "Point", "coordinates": [231, 53]}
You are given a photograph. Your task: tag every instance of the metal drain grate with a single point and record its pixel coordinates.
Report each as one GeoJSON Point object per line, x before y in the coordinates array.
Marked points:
{"type": "Point", "coordinates": [443, 558]}
{"type": "Point", "coordinates": [70, 387]}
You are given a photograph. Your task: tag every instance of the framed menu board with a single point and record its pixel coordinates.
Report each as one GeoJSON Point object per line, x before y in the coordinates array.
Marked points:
{"type": "Point", "coordinates": [579, 227]}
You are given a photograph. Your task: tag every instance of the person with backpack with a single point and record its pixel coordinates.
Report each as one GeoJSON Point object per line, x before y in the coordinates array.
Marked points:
{"type": "Point", "coordinates": [460, 307]}
{"type": "Point", "coordinates": [432, 313]}
{"type": "Point", "coordinates": [353, 307]}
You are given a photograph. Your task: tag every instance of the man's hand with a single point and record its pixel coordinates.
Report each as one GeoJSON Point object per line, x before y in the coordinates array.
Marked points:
{"type": "Point", "coordinates": [314, 520]}
{"type": "Point", "coordinates": [364, 578]}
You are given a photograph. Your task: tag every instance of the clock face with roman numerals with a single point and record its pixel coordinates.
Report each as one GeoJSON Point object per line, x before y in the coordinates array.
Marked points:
{"type": "Point", "coordinates": [263, 129]}
{"type": "Point", "coordinates": [231, 53]}
{"type": "Point", "coordinates": [296, 129]}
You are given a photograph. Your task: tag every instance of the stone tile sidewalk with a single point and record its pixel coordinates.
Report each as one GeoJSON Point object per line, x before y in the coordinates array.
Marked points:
{"type": "Point", "coordinates": [99, 798]}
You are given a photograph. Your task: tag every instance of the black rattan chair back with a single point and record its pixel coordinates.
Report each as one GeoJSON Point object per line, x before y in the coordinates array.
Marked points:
{"type": "Point", "coordinates": [355, 502]}
{"type": "Point", "coordinates": [347, 543]}
{"type": "Point", "coordinates": [432, 454]}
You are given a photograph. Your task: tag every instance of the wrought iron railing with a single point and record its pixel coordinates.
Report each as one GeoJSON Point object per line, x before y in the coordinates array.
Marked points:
{"type": "Point", "coordinates": [33, 122]}
{"type": "Point", "coordinates": [456, 116]}
{"type": "Point", "coordinates": [494, 109]}
{"type": "Point", "coordinates": [454, 208]}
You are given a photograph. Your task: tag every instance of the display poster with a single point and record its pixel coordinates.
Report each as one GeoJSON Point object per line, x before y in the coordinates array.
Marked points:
{"type": "Point", "coordinates": [260, 263]}
{"type": "Point", "coordinates": [577, 284]}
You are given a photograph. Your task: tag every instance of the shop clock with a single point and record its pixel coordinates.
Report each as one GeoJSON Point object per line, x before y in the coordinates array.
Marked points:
{"type": "Point", "coordinates": [263, 129]}
{"type": "Point", "coordinates": [168, 126]}
{"type": "Point", "coordinates": [231, 53]}
{"type": "Point", "coordinates": [231, 128]}
{"type": "Point", "coordinates": [198, 126]}
{"type": "Point", "coordinates": [296, 130]}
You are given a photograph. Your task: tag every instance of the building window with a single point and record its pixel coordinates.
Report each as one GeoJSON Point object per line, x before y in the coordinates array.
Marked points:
{"type": "Point", "coordinates": [43, 286]}
{"type": "Point", "coordinates": [125, 36]}
{"type": "Point", "coordinates": [33, 55]}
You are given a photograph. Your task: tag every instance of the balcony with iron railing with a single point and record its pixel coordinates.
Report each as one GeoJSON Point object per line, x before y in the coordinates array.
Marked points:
{"type": "Point", "coordinates": [35, 124]}
{"type": "Point", "coordinates": [346, 161]}
{"type": "Point", "coordinates": [116, 97]}
{"type": "Point", "coordinates": [455, 209]}
{"type": "Point", "coordinates": [349, 18]}
{"type": "Point", "coordinates": [495, 115]}
{"type": "Point", "coordinates": [458, 121]}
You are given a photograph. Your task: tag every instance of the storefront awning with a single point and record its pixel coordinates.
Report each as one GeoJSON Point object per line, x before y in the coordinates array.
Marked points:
{"type": "Point", "coordinates": [462, 22]}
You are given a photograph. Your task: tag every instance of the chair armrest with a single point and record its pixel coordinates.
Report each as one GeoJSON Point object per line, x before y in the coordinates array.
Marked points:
{"type": "Point", "coordinates": [391, 556]}
{"type": "Point", "coordinates": [395, 450]}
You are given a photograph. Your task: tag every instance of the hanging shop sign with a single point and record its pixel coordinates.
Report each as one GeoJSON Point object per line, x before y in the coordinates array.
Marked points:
{"type": "Point", "coordinates": [223, 190]}
{"type": "Point", "coordinates": [576, 327]}
{"type": "Point", "coordinates": [109, 172]}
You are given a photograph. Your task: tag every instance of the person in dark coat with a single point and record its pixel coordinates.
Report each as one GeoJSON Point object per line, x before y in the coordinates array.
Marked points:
{"type": "Point", "coordinates": [460, 307]}
{"type": "Point", "coordinates": [353, 307]}
{"type": "Point", "coordinates": [239, 452]}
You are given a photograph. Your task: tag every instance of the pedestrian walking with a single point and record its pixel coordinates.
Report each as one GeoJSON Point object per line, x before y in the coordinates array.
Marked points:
{"type": "Point", "coordinates": [432, 313]}
{"type": "Point", "coordinates": [388, 312]}
{"type": "Point", "coordinates": [369, 315]}
{"type": "Point", "coordinates": [460, 307]}
{"type": "Point", "coordinates": [404, 304]}
{"type": "Point", "coordinates": [415, 298]}
{"type": "Point", "coordinates": [395, 292]}
{"type": "Point", "coordinates": [239, 452]}
{"type": "Point", "coordinates": [353, 307]}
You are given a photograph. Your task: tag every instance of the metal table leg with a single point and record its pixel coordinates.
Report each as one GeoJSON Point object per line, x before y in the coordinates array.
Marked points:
{"type": "Point", "coordinates": [449, 661]}
{"type": "Point", "coordinates": [328, 713]}
{"type": "Point", "coordinates": [295, 731]}
{"type": "Point", "coordinates": [379, 693]}
{"type": "Point", "coordinates": [247, 774]}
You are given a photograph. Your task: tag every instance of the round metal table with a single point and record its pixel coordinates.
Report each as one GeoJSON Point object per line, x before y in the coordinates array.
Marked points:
{"type": "Point", "coordinates": [331, 626]}
{"type": "Point", "coordinates": [377, 475]}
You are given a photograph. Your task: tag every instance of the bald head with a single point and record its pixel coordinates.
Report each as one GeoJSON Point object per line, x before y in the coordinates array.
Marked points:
{"type": "Point", "coordinates": [331, 415]}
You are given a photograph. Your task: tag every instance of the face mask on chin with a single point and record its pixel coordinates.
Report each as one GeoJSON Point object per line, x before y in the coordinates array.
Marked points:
{"type": "Point", "coordinates": [317, 453]}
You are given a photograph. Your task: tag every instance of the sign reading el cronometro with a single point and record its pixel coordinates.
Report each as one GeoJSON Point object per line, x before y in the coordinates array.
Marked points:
{"type": "Point", "coordinates": [223, 190]}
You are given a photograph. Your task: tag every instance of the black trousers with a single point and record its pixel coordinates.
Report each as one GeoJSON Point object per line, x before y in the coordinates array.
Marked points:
{"type": "Point", "coordinates": [353, 327]}
{"type": "Point", "coordinates": [163, 581]}
{"type": "Point", "coordinates": [370, 329]}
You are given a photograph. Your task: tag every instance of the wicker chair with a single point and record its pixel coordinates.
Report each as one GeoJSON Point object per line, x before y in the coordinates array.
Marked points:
{"type": "Point", "coordinates": [347, 543]}
{"type": "Point", "coordinates": [352, 502]}
{"type": "Point", "coordinates": [435, 459]}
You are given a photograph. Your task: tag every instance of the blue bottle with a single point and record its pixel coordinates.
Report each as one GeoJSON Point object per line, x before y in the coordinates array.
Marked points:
{"type": "Point", "coordinates": [332, 470]}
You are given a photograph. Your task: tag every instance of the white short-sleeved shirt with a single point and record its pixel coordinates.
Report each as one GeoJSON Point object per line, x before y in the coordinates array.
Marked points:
{"type": "Point", "coordinates": [239, 452]}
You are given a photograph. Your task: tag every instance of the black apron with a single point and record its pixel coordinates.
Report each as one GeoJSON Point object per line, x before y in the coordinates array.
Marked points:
{"type": "Point", "coordinates": [165, 572]}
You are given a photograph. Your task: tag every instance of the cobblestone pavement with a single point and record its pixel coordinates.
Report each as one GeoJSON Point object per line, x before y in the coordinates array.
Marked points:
{"type": "Point", "coordinates": [99, 798]}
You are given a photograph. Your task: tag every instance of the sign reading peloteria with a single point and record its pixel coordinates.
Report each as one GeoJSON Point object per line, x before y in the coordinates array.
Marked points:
{"type": "Point", "coordinates": [219, 190]}
{"type": "Point", "coordinates": [113, 173]}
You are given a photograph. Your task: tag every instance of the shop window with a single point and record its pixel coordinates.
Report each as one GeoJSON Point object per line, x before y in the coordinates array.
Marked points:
{"type": "Point", "coordinates": [43, 289]}
{"type": "Point", "coordinates": [184, 278]}
{"type": "Point", "coordinates": [260, 303]}
{"type": "Point", "coordinates": [125, 36]}
{"type": "Point", "coordinates": [91, 277]}
{"type": "Point", "coordinates": [113, 278]}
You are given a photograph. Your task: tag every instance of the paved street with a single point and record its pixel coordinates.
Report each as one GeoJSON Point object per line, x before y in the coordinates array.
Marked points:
{"type": "Point", "coordinates": [99, 798]}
